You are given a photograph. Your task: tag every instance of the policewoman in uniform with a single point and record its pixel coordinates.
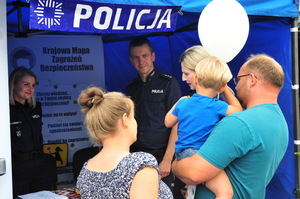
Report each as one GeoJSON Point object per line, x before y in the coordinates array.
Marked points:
{"type": "Point", "coordinates": [154, 93]}
{"type": "Point", "coordinates": [32, 169]}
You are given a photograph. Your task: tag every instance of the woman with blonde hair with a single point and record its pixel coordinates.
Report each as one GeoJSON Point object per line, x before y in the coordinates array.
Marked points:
{"type": "Point", "coordinates": [115, 172]}
{"type": "Point", "coordinates": [189, 60]}
{"type": "Point", "coordinates": [32, 169]}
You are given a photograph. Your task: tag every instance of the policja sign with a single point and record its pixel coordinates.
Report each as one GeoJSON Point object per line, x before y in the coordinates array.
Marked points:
{"type": "Point", "coordinates": [96, 17]}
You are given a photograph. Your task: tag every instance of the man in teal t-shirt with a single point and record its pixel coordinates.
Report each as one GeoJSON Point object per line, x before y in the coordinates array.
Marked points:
{"type": "Point", "coordinates": [248, 145]}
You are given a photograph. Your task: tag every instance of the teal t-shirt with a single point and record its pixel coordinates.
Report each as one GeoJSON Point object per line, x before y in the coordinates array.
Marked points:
{"type": "Point", "coordinates": [249, 145]}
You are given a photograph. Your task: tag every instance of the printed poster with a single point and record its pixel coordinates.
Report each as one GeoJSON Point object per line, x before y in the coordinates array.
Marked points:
{"type": "Point", "coordinates": [64, 65]}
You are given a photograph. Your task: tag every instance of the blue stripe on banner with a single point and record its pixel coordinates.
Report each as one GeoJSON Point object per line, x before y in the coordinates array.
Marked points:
{"type": "Point", "coordinates": [96, 17]}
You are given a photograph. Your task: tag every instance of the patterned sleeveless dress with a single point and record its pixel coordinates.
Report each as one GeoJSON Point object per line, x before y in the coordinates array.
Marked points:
{"type": "Point", "coordinates": [115, 184]}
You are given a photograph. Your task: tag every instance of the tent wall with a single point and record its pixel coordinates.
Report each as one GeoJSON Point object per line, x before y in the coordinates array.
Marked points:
{"type": "Point", "coordinates": [270, 35]}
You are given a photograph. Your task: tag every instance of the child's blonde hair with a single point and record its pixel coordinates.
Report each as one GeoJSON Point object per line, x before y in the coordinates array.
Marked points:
{"type": "Point", "coordinates": [213, 73]}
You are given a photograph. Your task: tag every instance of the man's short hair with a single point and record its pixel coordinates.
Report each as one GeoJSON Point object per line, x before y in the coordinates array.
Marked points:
{"type": "Point", "coordinates": [140, 41]}
{"type": "Point", "coordinates": [267, 68]}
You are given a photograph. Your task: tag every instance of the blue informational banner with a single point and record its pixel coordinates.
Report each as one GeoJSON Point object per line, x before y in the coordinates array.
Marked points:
{"type": "Point", "coordinates": [96, 17]}
{"type": "Point", "coordinates": [64, 66]}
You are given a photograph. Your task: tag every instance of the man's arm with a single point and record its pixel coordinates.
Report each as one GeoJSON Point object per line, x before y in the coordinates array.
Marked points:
{"type": "Point", "coordinates": [194, 169]}
{"type": "Point", "coordinates": [174, 95]}
{"type": "Point", "coordinates": [165, 164]}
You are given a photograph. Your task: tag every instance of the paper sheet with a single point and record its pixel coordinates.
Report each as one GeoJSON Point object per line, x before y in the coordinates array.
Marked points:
{"type": "Point", "coordinates": [42, 195]}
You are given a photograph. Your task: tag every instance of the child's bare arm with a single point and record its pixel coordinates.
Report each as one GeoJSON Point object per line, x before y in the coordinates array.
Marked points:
{"type": "Point", "coordinates": [170, 119]}
{"type": "Point", "coordinates": [233, 103]}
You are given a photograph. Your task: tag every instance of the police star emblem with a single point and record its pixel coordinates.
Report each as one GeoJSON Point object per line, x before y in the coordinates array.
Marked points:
{"type": "Point", "coordinates": [49, 12]}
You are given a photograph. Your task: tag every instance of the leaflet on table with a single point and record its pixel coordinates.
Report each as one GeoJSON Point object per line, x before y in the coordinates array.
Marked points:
{"type": "Point", "coordinates": [42, 195]}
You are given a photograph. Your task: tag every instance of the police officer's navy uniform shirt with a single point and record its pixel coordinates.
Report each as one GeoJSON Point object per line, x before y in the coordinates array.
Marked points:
{"type": "Point", "coordinates": [26, 128]}
{"type": "Point", "coordinates": [153, 99]}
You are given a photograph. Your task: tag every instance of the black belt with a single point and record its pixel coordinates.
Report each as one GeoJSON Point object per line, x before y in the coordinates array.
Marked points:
{"type": "Point", "coordinates": [28, 156]}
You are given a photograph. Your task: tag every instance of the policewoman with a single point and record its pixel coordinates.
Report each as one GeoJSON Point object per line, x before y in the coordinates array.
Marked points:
{"type": "Point", "coordinates": [32, 169]}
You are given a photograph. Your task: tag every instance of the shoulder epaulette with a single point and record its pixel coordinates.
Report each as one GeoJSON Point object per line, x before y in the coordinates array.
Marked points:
{"type": "Point", "coordinates": [167, 76]}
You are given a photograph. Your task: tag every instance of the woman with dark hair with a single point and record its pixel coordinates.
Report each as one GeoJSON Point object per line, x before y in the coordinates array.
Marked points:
{"type": "Point", "coordinates": [32, 169]}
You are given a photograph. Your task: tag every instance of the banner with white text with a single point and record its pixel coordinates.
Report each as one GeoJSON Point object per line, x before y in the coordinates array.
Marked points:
{"type": "Point", "coordinates": [96, 17]}
{"type": "Point", "coordinates": [64, 67]}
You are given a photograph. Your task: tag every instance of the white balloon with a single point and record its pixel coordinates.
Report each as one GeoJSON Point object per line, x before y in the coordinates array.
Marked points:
{"type": "Point", "coordinates": [223, 28]}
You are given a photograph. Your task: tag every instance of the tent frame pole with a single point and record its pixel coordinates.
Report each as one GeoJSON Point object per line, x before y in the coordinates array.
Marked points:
{"type": "Point", "coordinates": [295, 90]}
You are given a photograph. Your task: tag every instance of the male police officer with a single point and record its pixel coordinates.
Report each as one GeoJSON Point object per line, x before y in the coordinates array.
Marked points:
{"type": "Point", "coordinates": [153, 93]}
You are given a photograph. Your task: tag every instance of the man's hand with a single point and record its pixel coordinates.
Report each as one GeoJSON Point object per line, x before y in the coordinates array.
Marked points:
{"type": "Point", "coordinates": [166, 163]}
{"type": "Point", "coordinates": [165, 168]}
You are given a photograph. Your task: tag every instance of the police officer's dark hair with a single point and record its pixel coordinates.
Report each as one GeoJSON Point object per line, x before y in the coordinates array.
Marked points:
{"type": "Point", "coordinates": [140, 41]}
{"type": "Point", "coordinates": [14, 78]}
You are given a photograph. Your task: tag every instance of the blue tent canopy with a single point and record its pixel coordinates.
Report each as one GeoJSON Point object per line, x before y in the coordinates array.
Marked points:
{"type": "Point", "coordinates": [18, 18]}
{"type": "Point", "coordinates": [270, 33]}
{"type": "Point", "coordinates": [278, 8]}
